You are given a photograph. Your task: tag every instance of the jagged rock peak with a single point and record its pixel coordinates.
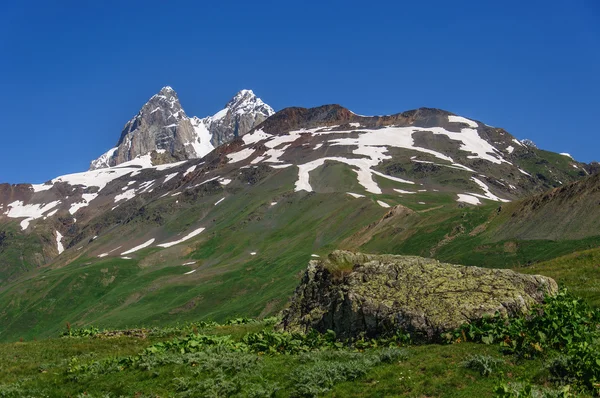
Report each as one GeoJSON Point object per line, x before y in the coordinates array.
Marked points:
{"type": "Point", "coordinates": [162, 124]}
{"type": "Point", "coordinates": [240, 115]}
{"type": "Point", "coordinates": [246, 100]}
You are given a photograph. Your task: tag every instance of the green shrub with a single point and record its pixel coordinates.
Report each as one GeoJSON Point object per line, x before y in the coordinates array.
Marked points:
{"type": "Point", "coordinates": [484, 364]}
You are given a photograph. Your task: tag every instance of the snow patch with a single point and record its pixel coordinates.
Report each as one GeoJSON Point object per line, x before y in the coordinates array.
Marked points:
{"type": "Point", "coordinates": [241, 155]}
{"type": "Point", "coordinates": [403, 191]}
{"type": "Point", "coordinates": [189, 170]}
{"type": "Point", "coordinates": [219, 201]}
{"type": "Point", "coordinates": [383, 204]}
{"type": "Point", "coordinates": [31, 212]}
{"type": "Point", "coordinates": [356, 195]}
{"type": "Point", "coordinates": [169, 177]}
{"type": "Point", "coordinates": [129, 194]}
{"type": "Point", "coordinates": [188, 236]}
{"type": "Point", "coordinates": [470, 199]}
{"type": "Point", "coordinates": [460, 119]}
{"type": "Point", "coordinates": [488, 194]}
{"type": "Point", "coordinates": [59, 244]}
{"type": "Point", "coordinates": [140, 247]}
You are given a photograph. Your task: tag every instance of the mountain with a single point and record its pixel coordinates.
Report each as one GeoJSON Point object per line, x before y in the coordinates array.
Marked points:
{"type": "Point", "coordinates": [150, 243]}
{"type": "Point", "coordinates": [162, 128]}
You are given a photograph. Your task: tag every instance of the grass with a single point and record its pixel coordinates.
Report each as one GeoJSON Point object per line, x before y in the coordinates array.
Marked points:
{"type": "Point", "coordinates": [579, 272]}
{"type": "Point", "coordinates": [93, 366]}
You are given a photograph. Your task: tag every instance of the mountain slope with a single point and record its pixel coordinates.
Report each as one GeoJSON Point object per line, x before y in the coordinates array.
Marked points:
{"type": "Point", "coordinates": [142, 243]}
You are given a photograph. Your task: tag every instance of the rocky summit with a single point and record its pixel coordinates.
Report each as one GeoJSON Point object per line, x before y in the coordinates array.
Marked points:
{"type": "Point", "coordinates": [163, 131]}
{"type": "Point", "coordinates": [351, 293]}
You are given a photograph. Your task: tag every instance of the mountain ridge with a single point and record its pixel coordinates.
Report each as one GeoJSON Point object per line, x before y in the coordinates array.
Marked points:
{"type": "Point", "coordinates": [154, 240]}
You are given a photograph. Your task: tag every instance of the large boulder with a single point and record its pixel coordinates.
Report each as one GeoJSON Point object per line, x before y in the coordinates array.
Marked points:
{"type": "Point", "coordinates": [353, 293]}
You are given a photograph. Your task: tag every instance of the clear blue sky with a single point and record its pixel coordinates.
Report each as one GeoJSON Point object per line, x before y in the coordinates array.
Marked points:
{"type": "Point", "coordinates": [73, 74]}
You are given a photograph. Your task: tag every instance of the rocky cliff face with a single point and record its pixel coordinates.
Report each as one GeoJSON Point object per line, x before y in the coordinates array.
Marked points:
{"type": "Point", "coordinates": [352, 293]}
{"type": "Point", "coordinates": [162, 126]}
{"type": "Point", "coordinates": [244, 112]}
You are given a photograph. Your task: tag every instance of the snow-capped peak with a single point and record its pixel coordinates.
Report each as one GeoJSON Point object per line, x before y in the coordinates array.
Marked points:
{"type": "Point", "coordinates": [246, 101]}
{"type": "Point", "coordinates": [162, 124]}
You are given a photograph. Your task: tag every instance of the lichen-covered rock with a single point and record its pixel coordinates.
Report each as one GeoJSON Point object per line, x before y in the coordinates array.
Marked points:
{"type": "Point", "coordinates": [352, 293]}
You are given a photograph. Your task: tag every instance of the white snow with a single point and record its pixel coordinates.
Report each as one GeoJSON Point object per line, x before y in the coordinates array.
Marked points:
{"type": "Point", "coordinates": [189, 170]}
{"type": "Point", "coordinates": [241, 155]}
{"type": "Point", "coordinates": [53, 212]}
{"type": "Point", "coordinates": [41, 187]}
{"type": "Point", "coordinates": [190, 272]}
{"type": "Point", "coordinates": [510, 149]}
{"type": "Point", "coordinates": [524, 172]}
{"type": "Point", "coordinates": [169, 177]}
{"type": "Point", "coordinates": [403, 191]}
{"type": "Point", "coordinates": [103, 160]}
{"type": "Point", "coordinates": [255, 137]}
{"type": "Point", "coordinates": [140, 247]}
{"type": "Point", "coordinates": [391, 178]}
{"type": "Point", "coordinates": [253, 253]}
{"type": "Point", "coordinates": [107, 253]}
{"type": "Point", "coordinates": [220, 115]}
{"type": "Point", "coordinates": [189, 263]}
{"type": "Point", "coordinates": [354, 124]}
{"type": "Point", "coordinates": [488, 194]}
{"type": "Point", "coordinates": [422, 203]}
{"type": "Point", "coordinates": [319, 145]}
{"type": "Point", "coordinates": [204, 182]}
{"type": "Point", "coordinates": [466, 198]}
{"type": "Point", "coordinates": [362, 170]}
{"type": "Point", "coordinates": [280, 166]}
{"type": "Point", "coordinates": [374, 143]}
{"type": "Point", "coordinates": [129, 194]}
{"type": "Point", "coordinates": [383, 204]}
{"type": "Point", "coordinates": [31, 212]}
{"type": "Point", "coordinates": [126, 258]}
{"type": "Point", "coordinates": [315, 255]}
{"type": "Point", "coordinates": [176, 193]}
{"type": "Point", "coordinates": [59, 244]}
{"type": "Point", "coordinates": [219, 201]}
{"type": "Point", "coordinates": [145, 186]}
{"type": "Point", "coordinates": [273, 203]}
{"type": "Point", "coordinates": [168, 166]}
{"type": "Point", "coordinates": [186, 237]}
{"type": "Point", "coordinates": [566, 154]}
{"type": "Point", "coordinates": [202, 136]}
{"type": "Point", "coordinates": [516, 141]}
{"type": "Point", "coordinates": [356, 195]}
{"type": "Point", "coordinates": [460, 119]}
{"type": "Point", "coordinates": [224, 181]}
{"type": "Point", "coordinates": [455, 166]}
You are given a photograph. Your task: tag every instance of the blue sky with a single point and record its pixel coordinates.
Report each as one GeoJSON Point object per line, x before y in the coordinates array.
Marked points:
{"type": "Point", "coordinates": [74, 73]}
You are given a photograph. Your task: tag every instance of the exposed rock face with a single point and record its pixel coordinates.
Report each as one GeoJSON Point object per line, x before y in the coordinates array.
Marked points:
{"type": "Point", "coordinates": [352, 293]}
{"type": "Point", "coordinates": [244, 112]}
{"type": "Point", "coordinates": [162, 126]}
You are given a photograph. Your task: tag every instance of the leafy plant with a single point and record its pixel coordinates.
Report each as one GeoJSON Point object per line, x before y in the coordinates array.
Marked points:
{"type": "Point", "coordinates": [484, 364]}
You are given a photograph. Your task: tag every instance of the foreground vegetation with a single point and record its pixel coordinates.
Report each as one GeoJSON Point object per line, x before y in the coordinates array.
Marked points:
{"type": "Point", "coordinates": [552, 352]}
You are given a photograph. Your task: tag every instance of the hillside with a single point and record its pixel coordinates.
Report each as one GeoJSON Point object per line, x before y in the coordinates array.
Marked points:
{"type": "Point", "coordinates": [149, 243]}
